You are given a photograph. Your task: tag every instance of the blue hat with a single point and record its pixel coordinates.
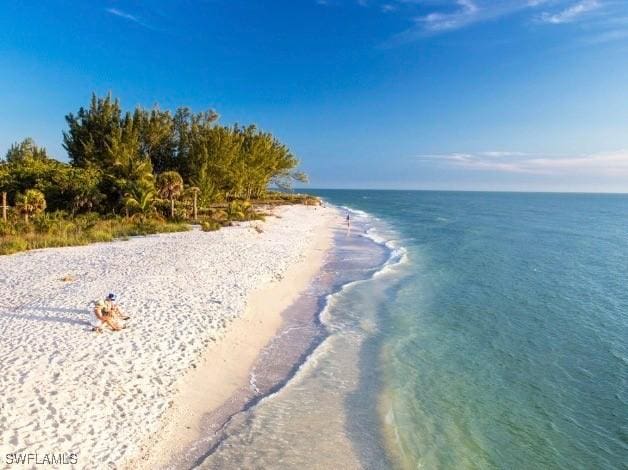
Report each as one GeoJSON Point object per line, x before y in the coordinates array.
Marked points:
{"type": "Point", "coordinates": [111, 296]}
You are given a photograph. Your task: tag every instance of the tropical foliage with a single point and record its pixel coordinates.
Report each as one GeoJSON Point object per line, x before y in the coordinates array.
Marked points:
{"type": "Point", "coordinates": [224, 163]}
{"type": "Point", "coordinates": [170, 186]}
{"type": "Point", "coordinates": [30, 203]}
{"type": "Point", "coordinates": [53, 229]}
{"type": "Point", "coordinates": [145, 166]}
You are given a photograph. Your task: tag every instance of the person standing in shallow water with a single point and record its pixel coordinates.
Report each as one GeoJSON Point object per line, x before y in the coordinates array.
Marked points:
{"type": "Point", "coordinates": [348, 223]}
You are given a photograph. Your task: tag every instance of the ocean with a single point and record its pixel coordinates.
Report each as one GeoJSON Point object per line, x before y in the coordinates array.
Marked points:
{"type": "Point", "coordinates": [457, 330]}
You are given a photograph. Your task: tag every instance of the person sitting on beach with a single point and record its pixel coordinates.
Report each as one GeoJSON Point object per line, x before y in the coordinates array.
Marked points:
{"type": "Point", "coordinates": [110, 302]}
{"type": "Point", "coordinates": [105, 316]}
{"type": "Point", "coordinates": [97, 316]}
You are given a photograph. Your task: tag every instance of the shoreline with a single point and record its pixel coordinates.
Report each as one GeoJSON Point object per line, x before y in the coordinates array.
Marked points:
{"type": "Point", "coordinates": [317, 416]}
{"type": "Point", "coordinates": [209, 396]}
{"type": "Point", "coordinates": [215, 296]}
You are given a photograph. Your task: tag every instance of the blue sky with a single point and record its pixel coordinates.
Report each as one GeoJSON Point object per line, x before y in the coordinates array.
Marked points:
{"type": "Point", "coordinates": [425, 94]}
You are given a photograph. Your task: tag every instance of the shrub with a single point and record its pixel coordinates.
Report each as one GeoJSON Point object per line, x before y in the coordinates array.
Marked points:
{"type": "Point", "coordinates": [42, 222]}
{"type": "Point", "coordinates": [173, 227]}
{"type": "Point", "coordinates": [7, 228]}
{"type": "Point", "coordinates": [209, 226]}
{"type": "Point", "coordinates": [12, 245]}
{"type": "Point", "coordinates": [53, 230]}
{"type": "Point", "coordinates": [30, 202]}
{"type": "Point", "coordinates": [100, 236]}
{"type": "Point", "coordinates": [218, 214]}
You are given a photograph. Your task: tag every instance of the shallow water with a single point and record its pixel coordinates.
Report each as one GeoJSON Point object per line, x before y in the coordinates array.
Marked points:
{"type": "Point", "coordinates": [494, 337]}
{"type": "Point", "coordinates": [277, 431]}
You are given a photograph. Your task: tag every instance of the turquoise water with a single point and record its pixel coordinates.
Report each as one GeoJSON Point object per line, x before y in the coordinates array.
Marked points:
{"type": "Point", "coordinates": [504, 343]}
{"type": "Point", "coordinates": [463, 330]}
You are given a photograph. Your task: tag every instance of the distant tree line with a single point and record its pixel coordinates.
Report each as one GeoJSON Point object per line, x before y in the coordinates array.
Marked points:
{"type": "Point", "coordinates": [143, 161]}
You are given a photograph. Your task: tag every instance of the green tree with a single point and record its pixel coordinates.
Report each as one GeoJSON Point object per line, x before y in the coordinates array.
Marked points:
{"type": "Point", "coordinates": [157, 138]}
{"type": "Point", "coordinates": [25, 150]}
{"type": "Point", "coordinates": [79, 189]}
{"type": "Point", "coordinates": [30, 202]}
{"type": "Point", "coordinates": [141, 200]}
{"type": "Point", "coordinates": [170, 186]}
{"type": "Point", "coordinates": [213, 162]}
{"type": "Point", "coordinates": [91, 131]}
{"type": "Point", "coordinates": [187, 126]}
{"type": "Point", "coordinates": [127, 163]}
{"type": "Point", "coordinates": [52, 177]}
{"type": "Point", "coordinates": [6, 177]}
{"type": "Point", "coordinates": [225, 163]}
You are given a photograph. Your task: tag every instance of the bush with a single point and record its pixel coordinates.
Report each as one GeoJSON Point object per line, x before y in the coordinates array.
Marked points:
{"type": "Point", "coordinates": [7, 228]}
{"type": "Point", "coordinates": [209, 226]}
{"type": "Point", "coordinates": [43, 222]}
{"type": "Point", "coordinates": [12, 245]}
{"type": "Point", "coordinates": [53, 230]}
{"type": "Point", "coordinates": [278, 198]}
{"type": "Point", "coordinates": [100, 236]}
{"type": "Point", "coordinates": [173, 227]}
{"type": "Point", "coordinates": [218, 214]}
{"type": "Point", "coordinates": [87, 221]}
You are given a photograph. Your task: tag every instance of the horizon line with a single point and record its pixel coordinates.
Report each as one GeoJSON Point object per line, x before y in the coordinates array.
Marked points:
{"type": "Point", "coordinates": [516, 191]}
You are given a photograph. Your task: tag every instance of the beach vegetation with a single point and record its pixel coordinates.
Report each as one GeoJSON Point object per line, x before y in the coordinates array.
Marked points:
{"type": "Point", "coordinates": [26, 150]}
{"type": "Point", "coordinates": [140, 202]}
{"type": "Point", "coordinates": [30, 202]}
{"type": "Point", "coordinates": [47, 230]}
{"type": "Point", "coordinates": [141, 172]}
{"type": "Point", "coordinates": [170, 187]}
{"type": "Point", "coordinates": [191, 194]}
{"type": "Point", "coordinates": [210, 226]}
{"type": "Point", "coordinates": [239, 210]}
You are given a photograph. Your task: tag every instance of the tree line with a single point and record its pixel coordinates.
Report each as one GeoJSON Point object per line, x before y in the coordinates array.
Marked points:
{"type": "Point", "coordinates": [144, 162]}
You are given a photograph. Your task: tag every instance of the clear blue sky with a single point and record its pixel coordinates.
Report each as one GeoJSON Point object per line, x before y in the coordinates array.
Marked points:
{"type": "Point", "coordinates": [451, 94]}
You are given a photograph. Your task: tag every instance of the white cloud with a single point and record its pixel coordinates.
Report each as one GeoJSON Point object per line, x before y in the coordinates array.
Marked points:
{"type": "Point", "coordinates": [434, 17]}
{"type": "Point", "coordinates": [128, 16]}
{"type": "Point", "coordinates": [437, 21]}
{"type": "Point", "coordinates": [502, 153]}
{"type": "Point", "coordinates": [451, 15]}
{"type": "Point", "coordinates": [571, 13]}
{"type": "Point", "coordinates": [602, 164]}
{"type": "Point", "coordinates": [122, 14]}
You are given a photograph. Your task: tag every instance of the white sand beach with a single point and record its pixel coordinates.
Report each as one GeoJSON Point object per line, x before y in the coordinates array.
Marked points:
{"type": "Point", "coordinates": [201, 304]}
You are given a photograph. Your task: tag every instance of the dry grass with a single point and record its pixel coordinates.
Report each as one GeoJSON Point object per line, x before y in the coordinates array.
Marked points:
{"type": "Point", "coordinates": [52, 230]}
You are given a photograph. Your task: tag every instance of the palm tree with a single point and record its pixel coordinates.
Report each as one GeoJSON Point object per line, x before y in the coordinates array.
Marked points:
{"type": "Point", "coordinates": [239, 210]}
{"type": "Point", "coordinates": [141, 201]}
{"type": "Point", "coordinates": [194, 191]}
{"type": "Point", "coordinates": [30, 203]}
{"type": "Point", "coordinates": [170, 185]}
{"type": "Point", "coordinates": [135, 170]}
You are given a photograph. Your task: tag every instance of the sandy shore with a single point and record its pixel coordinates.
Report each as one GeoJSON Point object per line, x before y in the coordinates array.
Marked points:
{"type": "Point", "coordinates": [202, 307]}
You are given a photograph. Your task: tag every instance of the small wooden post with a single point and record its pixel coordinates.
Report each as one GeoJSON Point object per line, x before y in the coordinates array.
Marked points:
{"type": "Point", "coordinates": [195, 205]}
{"type": "Point", "coordinates": [4, 206]}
